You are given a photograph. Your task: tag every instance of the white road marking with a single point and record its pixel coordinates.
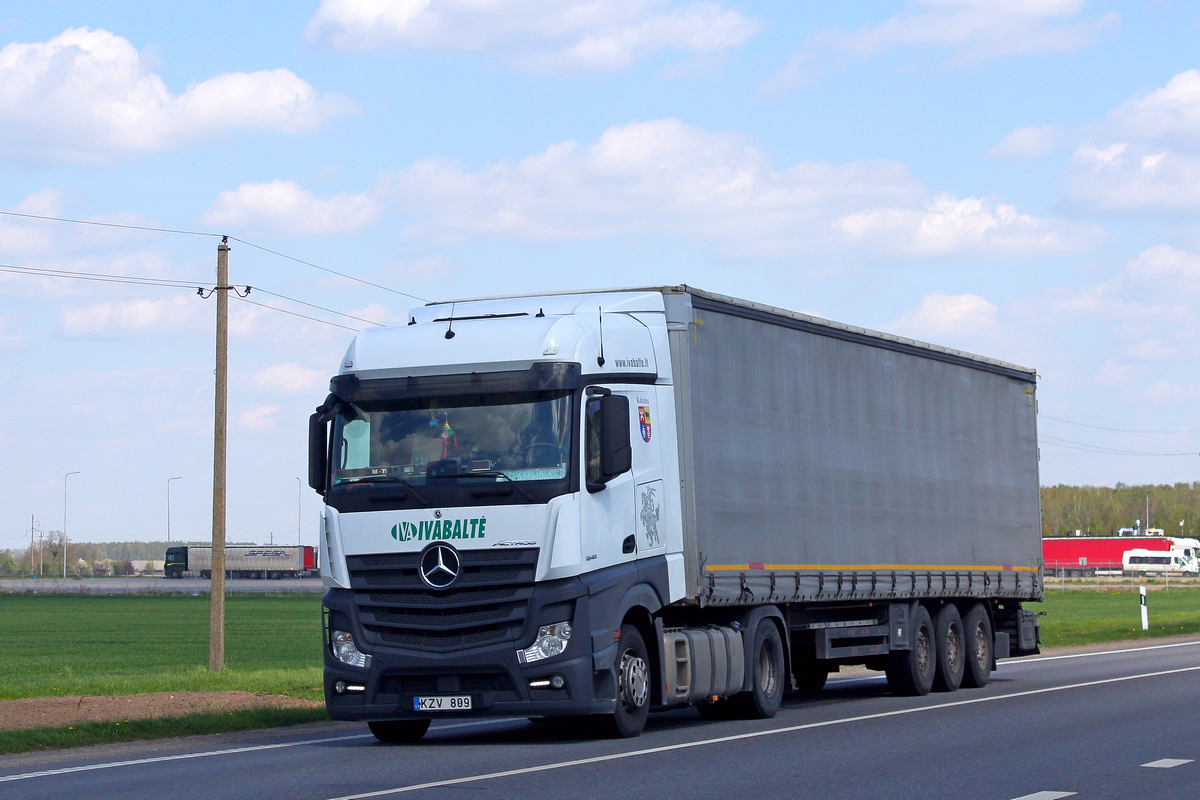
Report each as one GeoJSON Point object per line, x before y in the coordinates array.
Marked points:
{"type": "Point", "coordinates": [1038, 659]}
{"type": "Point", "coordinates": [1045, 795]}
{"type": "Point", "coordinates": [229, 751]}
{"type": "Point", "coordinates": [756, 734]}
{"type": "Point", "coordinates": [1167, 763]}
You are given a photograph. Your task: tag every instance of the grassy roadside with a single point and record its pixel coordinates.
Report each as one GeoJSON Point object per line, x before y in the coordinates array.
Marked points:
{"type": "Point", "coordinates": [128, 644]}
{"type": "Point", "coordinates": [1077, 616]}
{"type": "Point", "coordinates": [90, 733]}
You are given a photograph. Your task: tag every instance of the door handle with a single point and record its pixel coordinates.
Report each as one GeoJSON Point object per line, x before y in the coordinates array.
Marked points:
{"type": "Point", "coordinates": [629, 545]}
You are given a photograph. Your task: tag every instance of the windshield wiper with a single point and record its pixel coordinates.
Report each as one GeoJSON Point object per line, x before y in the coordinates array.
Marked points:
{"type": "Point", "coordinates": [493, 473]}
{"type": "Point", "coordinates": [391, 479]}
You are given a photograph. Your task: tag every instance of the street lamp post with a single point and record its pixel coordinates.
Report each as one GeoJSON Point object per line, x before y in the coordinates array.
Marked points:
{"type": "Point", "coordinates": [64, 541]}
{"type": "Point", "coordinates": [299, 492]}
{"type": "Point", "coordinates": [169, 506]}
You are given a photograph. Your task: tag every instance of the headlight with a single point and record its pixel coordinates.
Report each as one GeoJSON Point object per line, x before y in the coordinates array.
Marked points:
{"type": "Point", "coordinates": [345, 651]}
{"type": "Point", "coordinates": [551, 640]}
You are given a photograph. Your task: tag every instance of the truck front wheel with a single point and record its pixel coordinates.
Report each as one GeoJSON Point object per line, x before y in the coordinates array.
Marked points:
{"type": "Point", "coordinates": [633, 685]}
{"type": "Point", "coordinates": [910, 672]}
{"type": "Point", "coordinates": [399, 731]}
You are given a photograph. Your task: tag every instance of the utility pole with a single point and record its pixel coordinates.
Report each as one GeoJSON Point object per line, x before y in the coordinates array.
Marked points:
{"type": "Point", "coordinates": [216, 621]}
{"type": "Point", "coordinates": [169, 505]}
{"type": "Point", "coordinates": [299, 490]}
{"type": "Point", "coordinates": [32, 525]}
{"type": "Point", "coordinates": [64, 541]}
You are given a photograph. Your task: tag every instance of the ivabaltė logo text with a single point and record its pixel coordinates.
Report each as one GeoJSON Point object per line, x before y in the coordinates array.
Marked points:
{"type": "Point", "coordinates": [440, 529]}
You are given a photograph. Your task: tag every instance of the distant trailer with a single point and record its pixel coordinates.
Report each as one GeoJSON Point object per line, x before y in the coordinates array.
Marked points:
{"type": "Point", "coordinates": [1087, 556]}
{"type": "Point", "coordinates": [264, 562]}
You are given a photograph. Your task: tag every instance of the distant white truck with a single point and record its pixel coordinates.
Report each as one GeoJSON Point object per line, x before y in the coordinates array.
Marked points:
{"type": "Point", "coordinates": [1141, 562]}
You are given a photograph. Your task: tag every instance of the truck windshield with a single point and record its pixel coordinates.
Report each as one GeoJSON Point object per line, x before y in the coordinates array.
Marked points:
{"type": "Point", "coordinates": [496, 439]}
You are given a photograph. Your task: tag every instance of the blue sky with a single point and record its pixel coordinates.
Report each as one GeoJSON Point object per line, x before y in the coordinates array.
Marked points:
{"type": "Point", "coordinates": [1020, 180]}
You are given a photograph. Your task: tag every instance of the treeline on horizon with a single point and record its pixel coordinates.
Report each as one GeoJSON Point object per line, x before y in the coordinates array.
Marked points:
{"type": "Point", "coordinates": [1103, 510]}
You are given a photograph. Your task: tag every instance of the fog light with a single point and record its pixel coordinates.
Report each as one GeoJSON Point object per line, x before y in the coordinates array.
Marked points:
{"type": "Point", "coordinates": [345, 651]}
{"type": "Point", "coordinates": [551, 682]}
{"type": "Point", "coordinates": [551, 640]}
{"type": "Point", "coordinates": [339, 687]}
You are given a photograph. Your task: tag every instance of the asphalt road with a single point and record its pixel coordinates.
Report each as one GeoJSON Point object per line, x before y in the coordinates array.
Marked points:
{"type": "Point", "coordinates": [157, 585]}
{"type": "Point", "coordinates": [1112, 724]}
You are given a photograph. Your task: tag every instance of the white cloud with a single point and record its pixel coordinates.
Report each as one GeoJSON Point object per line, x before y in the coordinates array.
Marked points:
{"type": "Point", "coordinates": [666, 177]}
{"type": "Point", "coordinates": [1133, 178]}
{"type": "Point", "coordinates": [20, 237]}
{"type": "Point", "coordinates": [1166, 116]}
{"type": "Point", "coordinates": [259, 420]}
{"type": "Point", "coordinates": [948, 225]}
{"type": "Point", "coordinates": [539, 35]}
{"type": "Point", "coordinates": [291, 378]}
{"type": "Point", "coordinates": [283, 207]}
{"type": "Point", "coordinates": [87, 96]}
{"type": "Point", "coordinates": [977, 30]}
{"type": "Point", "coordinates": [96, 319]}
{"type": "Point", "coordinates": [1167, 268]}
{"type": "Point", "coordinates": [942, 316]}
{"type": "Point", "coordinates": [1030, 142]}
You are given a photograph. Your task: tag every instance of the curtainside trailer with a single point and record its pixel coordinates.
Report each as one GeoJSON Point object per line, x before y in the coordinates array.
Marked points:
{"type": "Point", "coordinates": [242, 561]}
{"type": "Point", "coordinates": [602, 504]}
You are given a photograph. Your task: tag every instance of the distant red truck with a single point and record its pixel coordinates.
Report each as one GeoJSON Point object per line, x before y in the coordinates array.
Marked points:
{"type": "Point", "coordinates": [1082, 556]}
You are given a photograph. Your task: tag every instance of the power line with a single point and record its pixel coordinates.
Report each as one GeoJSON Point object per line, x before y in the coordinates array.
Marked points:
{"type": "Point", "coordinates": [1090, 448]}
{"type": "Point", "coordinates": [173, 284]}
{"type": "Point", "coordinates": [326, 269]}
{"type": "Point", "coordinates": [295, 314]}
{"type": "Point", "coordinates": [102, 277]}
{"type": "Point", "coordinates": [207, 233]}
{"type": "Point", "coordinates": [107, 224]}
{"type": "Point", "coordinates": [319, 308]}
{"type": "Point", "coordinates": [1102, 428]}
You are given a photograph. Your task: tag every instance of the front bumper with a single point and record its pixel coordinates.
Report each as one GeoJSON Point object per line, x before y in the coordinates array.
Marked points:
{"type": "Point", "coordinates": [491, 675]}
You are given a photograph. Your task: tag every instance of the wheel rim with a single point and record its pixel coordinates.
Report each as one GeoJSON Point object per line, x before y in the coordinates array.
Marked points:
{"type": "Point", "coordinates": [922, 648]}
{"type": "Point", "coordinates": [953, 648]}
{"type": "Point", "coordinates": [768, 674]}
{"type": "Point", "coordinates": [981, 645]}
{"type": "Point", "coordinates": [635, 681]}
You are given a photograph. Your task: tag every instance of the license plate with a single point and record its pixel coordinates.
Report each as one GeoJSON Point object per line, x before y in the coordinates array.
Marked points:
{"type": "Point", "coordinates": [450, 703]}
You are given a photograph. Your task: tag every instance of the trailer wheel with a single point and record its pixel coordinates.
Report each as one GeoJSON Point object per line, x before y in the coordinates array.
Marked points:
{"type": "Point", "coordinates": [809, 673]}
{"type": "Point", "coordinates": [633, 687]}
{"type": "Point", "coordinates": [911, 671]}
{"type": "Point", "coordinates": [399, 731]}
{"type": "Point", "coordinates": [951, 649]}
{"type": "Point", "coordinates": [977, 630]}
{"type": "Point", "coordinates": [206, 574]}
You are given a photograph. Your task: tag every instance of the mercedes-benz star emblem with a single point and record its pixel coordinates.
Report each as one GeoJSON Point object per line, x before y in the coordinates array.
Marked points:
{"type": "Point", "coordinates": [440, 566]}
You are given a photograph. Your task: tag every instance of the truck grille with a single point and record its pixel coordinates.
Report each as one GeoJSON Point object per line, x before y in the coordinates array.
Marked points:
{"type": "Point", "coordinates": [488, 603]}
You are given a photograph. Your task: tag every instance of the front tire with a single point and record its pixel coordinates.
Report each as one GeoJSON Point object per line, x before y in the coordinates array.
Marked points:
{"type": "Point", "coordinates": [399, 731]}
{"type": "Point", "coordinates": [633, 686]}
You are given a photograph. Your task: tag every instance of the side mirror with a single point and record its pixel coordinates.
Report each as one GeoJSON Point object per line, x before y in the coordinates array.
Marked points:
{"type": "Point", "coordinates": [318, 451]}
{"type": "Point", "coordinates": [609, 453]}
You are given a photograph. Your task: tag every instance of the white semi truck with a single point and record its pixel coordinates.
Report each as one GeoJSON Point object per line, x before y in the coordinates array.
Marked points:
{"type": "Point", "coordinates": [602, 504]}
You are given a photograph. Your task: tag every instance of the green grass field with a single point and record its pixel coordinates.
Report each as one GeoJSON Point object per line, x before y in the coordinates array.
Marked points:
{"type": "Point", "coordinates": [1086, 617]}
{"type": "Point", "coordinates": [126, 644]}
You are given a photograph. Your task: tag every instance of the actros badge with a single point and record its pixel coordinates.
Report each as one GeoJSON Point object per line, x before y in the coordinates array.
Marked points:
{"type": "Point", "coordinates": [440, 566]}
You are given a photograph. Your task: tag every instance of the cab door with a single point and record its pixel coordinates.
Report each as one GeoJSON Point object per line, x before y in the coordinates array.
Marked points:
{"type": "Point", "coordinates": [609, 535]}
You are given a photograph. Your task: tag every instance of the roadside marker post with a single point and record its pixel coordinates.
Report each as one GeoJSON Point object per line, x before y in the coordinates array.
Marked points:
{"type": "Point", "coordinates": [1145, 616]}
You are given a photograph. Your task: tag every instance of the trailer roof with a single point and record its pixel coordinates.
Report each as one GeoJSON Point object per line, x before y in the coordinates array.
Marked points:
{"type": "Point", "coordinates": [763, 309]}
